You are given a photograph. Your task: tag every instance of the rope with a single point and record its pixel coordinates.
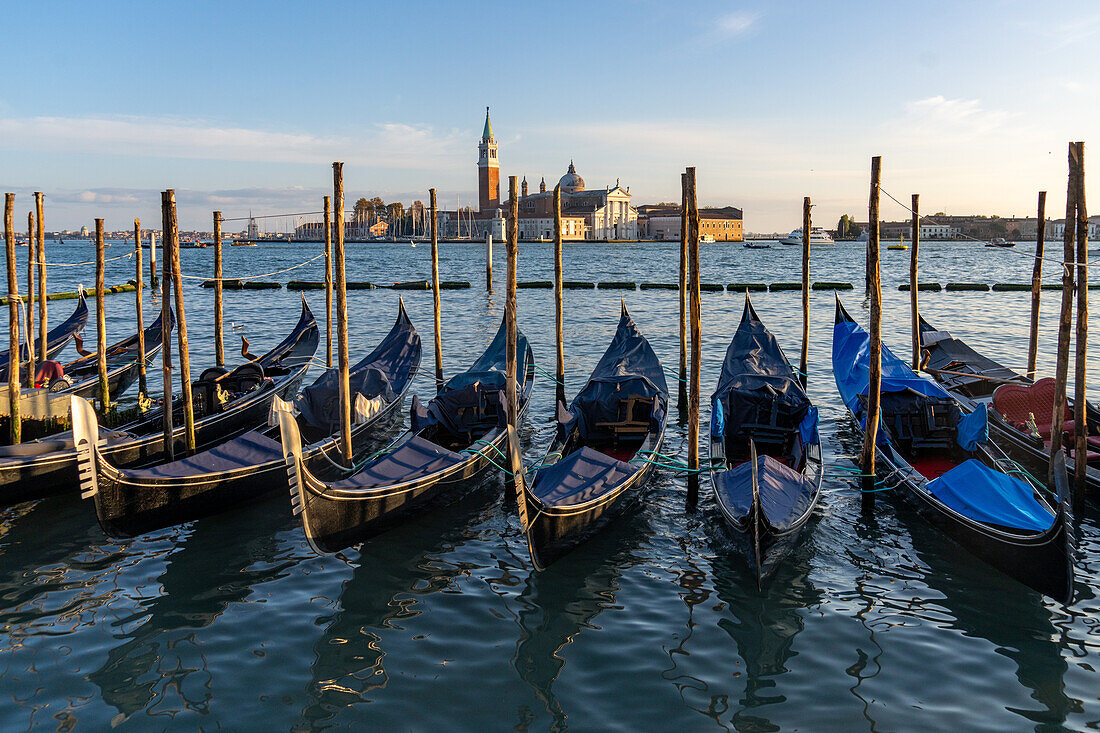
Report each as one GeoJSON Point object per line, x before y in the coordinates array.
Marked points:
{"type": "Point", "coordinates": [89, 262]}
{"type": "Point", "coordinates": [253, 277]}
{"type": "Point", "coordinates": [548, 375]}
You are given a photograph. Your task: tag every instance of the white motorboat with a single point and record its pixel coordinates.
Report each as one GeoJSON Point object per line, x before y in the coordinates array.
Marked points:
{"type": "Point", "coordinates": [817, 236]}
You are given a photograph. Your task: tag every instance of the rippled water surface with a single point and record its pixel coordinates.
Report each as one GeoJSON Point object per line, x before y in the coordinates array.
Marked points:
{"type": "Point", "coordinates": [874, 623]}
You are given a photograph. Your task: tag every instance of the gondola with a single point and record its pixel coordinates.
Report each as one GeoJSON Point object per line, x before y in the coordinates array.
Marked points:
{"type": "Point", "coordinates": [133, 501]}
{"type": "Point", "coordinates": [603, 451]}
{"type": "Point", "coordinates": [943, 461]}
{"type": "Point", "coordinates": [764, 446]}
{"type": "Point", "coordinates": [454, 441]}
{"type": "Point", "coordinates": [227, 404]}
{"type": "Point", "coordinates": [1020, 409]}
{"type": "Point", "coordinates": [56, 339]}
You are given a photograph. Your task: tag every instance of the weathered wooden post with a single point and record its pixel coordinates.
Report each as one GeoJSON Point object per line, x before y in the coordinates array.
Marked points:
{"type": "Point", "coordinates": [138, 276]}
{"type": "Point", "coordinates": [874, 382]}
{"type": "Point", "coordinates": [696, 337]}
{"type": "Point", "coordinates": [40, 233]}
{"type": "Point", "coordinates": [1080, 413]}
{"type": "Point", "coordinates": [342, 315]}
{"type": "Point", "coordinates": [914, 310]}
{"type": "Point", "coordinates": [153, 259]}
{"type": "Point", "coordinates": [806, 222]}
{"type": "Point", "coordinates": [29, 329]}
{"type": "Point", "coordinates": [165, 328]}
{"type": "Point", "coordinates": [510, 301]}
{"type": "Point", "coordinates": [489, 260]}
{"type": "Point", "coordinates": [436, 305]}
{"type": "Point", "coordinates": [681, 393]}
{"type": "Point", "coordinates": [559, 326]}
{"type": "Point", "coordinates": [219, 348]}
{"type": "Point", "coordinates": [1036, 284]}
{"type": "Point", "coordinates": [328, 282]}
{"type": "Point", "coordinates": [1066, 317]}
{"type": "Point", "coordinates": [15, 429]}
{"type": "Point", "coordinates": [172, 253]}
{"type": "Point", "coordinates": [104, 392]}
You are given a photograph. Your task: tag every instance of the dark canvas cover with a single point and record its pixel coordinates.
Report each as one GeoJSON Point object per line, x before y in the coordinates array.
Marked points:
{"type": "Point", "coordinates": [581, 476]}
{"type": "Point", "coordinates": [250, 449]}
{"type": "Point", "coordinates": [414, 458]}
{"type": "Point", "coordinates": [785, 494]}
{"type": "Point", "coordinates": [492, 364]}
{"type": "Point", "coordinates": [57, 336]}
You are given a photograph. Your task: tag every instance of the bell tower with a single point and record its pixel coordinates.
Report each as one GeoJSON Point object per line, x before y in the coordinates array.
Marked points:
{"type": "Point", "coordinates": [488, 169]}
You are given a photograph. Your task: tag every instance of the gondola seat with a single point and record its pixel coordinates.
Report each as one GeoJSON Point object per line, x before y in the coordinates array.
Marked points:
{"type": "Point", "coordinates": [580, 476]}
{"type": "Point", "coordinates": [1019, 403]}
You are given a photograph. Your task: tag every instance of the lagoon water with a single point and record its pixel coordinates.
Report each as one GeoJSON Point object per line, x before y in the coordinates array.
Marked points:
{"type": "Point", "coordinates": [231, 622]}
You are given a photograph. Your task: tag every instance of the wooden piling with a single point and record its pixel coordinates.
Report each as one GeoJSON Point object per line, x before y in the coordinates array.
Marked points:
{"type": "Point", "coordinates": [510, 301]}
{"type": "Point", "coordinates": [172, 252]}
{"type": "Point", "coordinates": [342, 315]}
{"type": "Point", "coordinates": [681, 392]}
{"type": "Point", "coordinates": [219, 348]}
{"type": "Point", "coordinates": [436, 305]}
{"type": "Point", "coordinates": [153, 259]}
{"type": "Point", "coordinates": [1036, 285]}
{"type": "Point", "coordinates": [165, 328]}
{"type": "Point", "coordinates": [40, 251]}
{"type": "Point", "coordinates": [29, 328]}
{"type": "Point", "coordinates": [104, 392]}
{"type": "Point", "coordinates": [138, 275]}
{"type": "Point", "coordinates": [1080, 414]}
{"type": "Point", "coordinates": [1066, 316]}
{"type": "Point", "coordinates": [806, 226]}
{"type": "Point", "coordinates": [913, 307]}
{"type": "Point", "coordinates": [15, 429]}
{"type": "Point", "coordinates": [696, 337]}
{"type": "Point", "coordinates": [559, 326]}
{"type": "Point", "coordinates": [488, 261]}
{"type": "Point", "coordinates": [874, 385]}
{"type": "Point", "coordinates": [328, 282]}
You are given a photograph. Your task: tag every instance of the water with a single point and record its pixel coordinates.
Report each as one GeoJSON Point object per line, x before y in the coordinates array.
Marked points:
{"type": "Point", "coordinates": [231, 622]}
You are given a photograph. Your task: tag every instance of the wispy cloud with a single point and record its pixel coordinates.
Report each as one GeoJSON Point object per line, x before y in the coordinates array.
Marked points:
{"type": "Point", "coordinates": [938, 119]}
{"type": "Point", "coordinates": [736, 23]}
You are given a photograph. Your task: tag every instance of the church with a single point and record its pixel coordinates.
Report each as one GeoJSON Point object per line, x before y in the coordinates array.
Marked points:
{"type": "Point", "coordinates": [593, 214]}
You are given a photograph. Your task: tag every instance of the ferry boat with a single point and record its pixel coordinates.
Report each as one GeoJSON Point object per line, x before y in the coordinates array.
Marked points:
{"type": "Point", "coordinates": [817, 236]}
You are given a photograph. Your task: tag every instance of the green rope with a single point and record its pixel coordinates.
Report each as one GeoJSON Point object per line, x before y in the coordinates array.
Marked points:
{"type": "Point", "coordinates": [548, 375]}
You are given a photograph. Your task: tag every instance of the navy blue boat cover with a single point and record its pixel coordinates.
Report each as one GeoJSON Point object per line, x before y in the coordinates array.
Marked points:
{"type": "Point", "coordinates": [579, 477]}
{"type": "Point", "coordinates": [491, 366]}
{"type": "Point", "coordinates": [757, 379]}
{"type": "Point", "coordinates": [977, 491]}
{"type": "Point", "coordinates": [250, 449]}
{"type": "Point", "coordinates": [412, 459]}
{"type": "Point", "coordinates": [785, 494]}
{"type": "Point", "coordinates": [383, 372]}
{"type": "Point", "coordinates": [58, 336]}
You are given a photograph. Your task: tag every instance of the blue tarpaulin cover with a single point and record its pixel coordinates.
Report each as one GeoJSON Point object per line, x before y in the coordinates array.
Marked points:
{"type": "Point", "coordinates": [579, 477]}
{"type": "Point", "coordinates": [977, 491]}
{"type": "Point", "coordinates": [973, 429]}
{"type": "Point", "coordinates": [785, 494]}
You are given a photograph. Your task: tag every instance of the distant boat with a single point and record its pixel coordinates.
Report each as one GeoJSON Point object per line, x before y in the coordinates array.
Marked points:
{"type": "Point", "coordinates": [706, 238]}
{"type": "Point", "coordinates": [1000, 242]}
{"type": "Point", "coordinates": [817, 236]}
{"type": "Point", "coordinates": [750, 245]}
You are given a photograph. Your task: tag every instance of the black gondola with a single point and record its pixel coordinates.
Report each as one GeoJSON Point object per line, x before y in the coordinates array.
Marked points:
{"type": "Point", "coordinates": [602, 453]}
{"type": "Point", "coordinates": [56, 339]}
{"type": "Point", "coordinates": [452, 442]}
{"type": "Point", "coordinates": [962, 483]}
{"type": "Point", "coordinates": [133, 501]}
{"type": "Point", "coordinates": [227, 404]}
{"type": "Point", "coordinates": [760, 409]}
{"type": "Point", "coordinates": [1022, 409]}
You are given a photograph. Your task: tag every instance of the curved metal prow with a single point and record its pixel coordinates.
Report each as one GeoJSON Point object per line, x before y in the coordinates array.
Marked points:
{"type": "Point", "coordinates": [755, 512]}
{"type": "Point", "coordinates": [292, 451]}
{"type": "Point", "coordinates": [86, 437]}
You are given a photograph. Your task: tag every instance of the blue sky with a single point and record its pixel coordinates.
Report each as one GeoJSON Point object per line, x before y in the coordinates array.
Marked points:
{"type": "Point", "coordinates": [244, 106]}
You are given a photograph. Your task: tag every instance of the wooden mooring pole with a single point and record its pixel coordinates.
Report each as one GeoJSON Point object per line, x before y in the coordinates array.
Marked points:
{"type": "Point", "coordinates": [15, 429]}
{"type": "Point", "coordinates": [153, 258]}
{"type": "Point", "coordinates": [40, 250]}
{"type": "Point", "coordinates": [104, 392]}
{"type": "Point", "coordinates": [510, 301]}
{"type": "Point", "coordinates": [165, 329]}
{"type": "Point", "coordinates": [342, 314]}
{"type": "Point", "coordinates": [172, 252]}
{"type": "Point", "coordinates": [1036, 284]}
{"type": "Point", "coordinates": [559, 326]}
{"type": "Point", "coordinates": [436, 304]}
{"type": "Point", "coordinates": [1066, 316]}
{"type": "Point", "coordinates": [219, 348]}
{"type": "Point", "coordinates": [806, 225]}
{"type": "Point", "coordinates": [696, 338]}
{"type": "Point", "coordinates": [488, 261]}
{"type": "Point", "coordinates": [328, 282]}
{"type": "Point", "coordinates": [138, 277]}
{"type": "Point", "coordinates": [29, 329]}
{"type": "Point", "coordinates": [874, 382]}
{"type": "Point", "coordinates": [914, 310]}
{"type": "Point", "coordinates": [1080, 413]}
{"type": "Point", "coordinates": [681, 392]}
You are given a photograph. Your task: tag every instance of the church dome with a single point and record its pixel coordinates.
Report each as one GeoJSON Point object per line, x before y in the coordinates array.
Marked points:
{"type": "Point", "coordinates": [571, 182]}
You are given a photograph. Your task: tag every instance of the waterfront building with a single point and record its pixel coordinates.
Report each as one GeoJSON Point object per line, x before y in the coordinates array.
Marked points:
{"type": "Point", "coordinates": [662, 222]}
{"type": "Point", "coordinates": [600, 214]}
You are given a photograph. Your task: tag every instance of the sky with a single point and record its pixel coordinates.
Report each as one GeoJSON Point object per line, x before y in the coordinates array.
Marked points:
{"type": "Point", "coordinates": [244, 106]}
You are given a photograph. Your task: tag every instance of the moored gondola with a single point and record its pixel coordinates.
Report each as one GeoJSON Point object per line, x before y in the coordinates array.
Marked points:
{"type": "Point", "coordinates": [132, 501]}
{"type": "Point", "coordinates": [1020, 410]}
{"type": "Point", "coordinates": [963, 484]}
{"type": "Point", "coordinates": [56, 339]}
{"type": "Point", "coordinates": [454, 441]}
{"type": "Point", "coordinates": [604, 448]}
{"type": "Point", "coordinates": [764, 446]}
{"type": "Point", "coordinates": [227, 404]}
